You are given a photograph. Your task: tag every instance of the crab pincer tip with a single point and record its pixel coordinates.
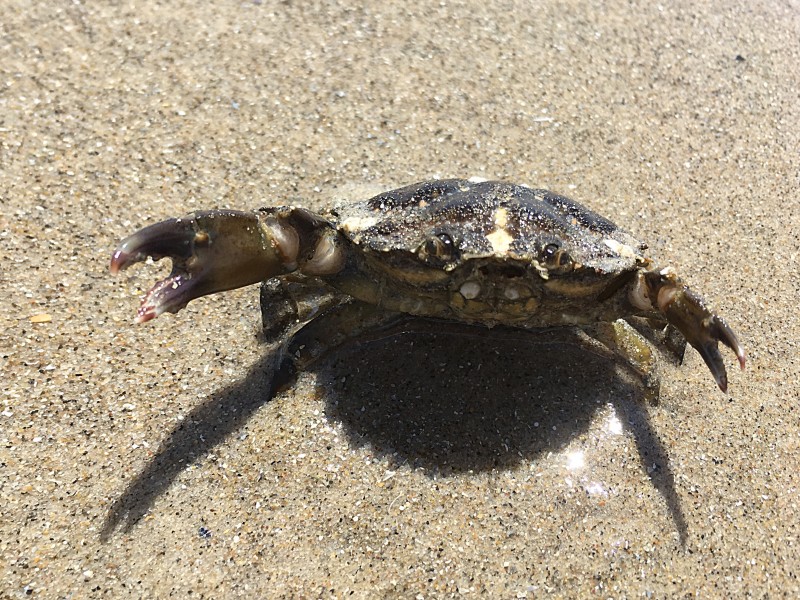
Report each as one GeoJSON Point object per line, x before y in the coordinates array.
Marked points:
{"type": "Point", "coordinates": [145, 314]}
{"type": "Point", "coordinates": [730, 340]}
{"type": "Point", "coordinates": [119, 261]}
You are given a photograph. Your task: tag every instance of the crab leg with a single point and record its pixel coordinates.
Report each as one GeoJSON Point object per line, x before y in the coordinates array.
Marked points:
{"type": "Point", "coordinates": [687, 311]}
{"type": "Point", "coordinates": [218, 250]}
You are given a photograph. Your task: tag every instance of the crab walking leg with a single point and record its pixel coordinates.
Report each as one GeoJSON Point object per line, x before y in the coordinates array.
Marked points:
{"type": "Point", "coordinates": [632, 347]}
{"type": "Point", "coordinates": [687, 311]}
{"type": "Point", "coordinates": [219, 250]}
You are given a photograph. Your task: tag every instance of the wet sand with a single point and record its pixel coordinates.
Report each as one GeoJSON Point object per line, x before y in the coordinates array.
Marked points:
{"type": "Point", "coordinates": [149, 461]}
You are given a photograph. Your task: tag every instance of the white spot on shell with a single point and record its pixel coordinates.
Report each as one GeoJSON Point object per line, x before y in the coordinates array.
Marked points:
{"type": "Point", "coordinates": [476, 179]}
{"type": "Point", "coordinates": [623, 250]}
{"type": "Point", "coordinates": [511, 292]}
{"type": "Point", "coordinates": [500, 239]}
{"type": "Point", "coordinates": [501, 217]}
{"type": "Point", "coordinates": [470, 289]}
{"type": "Point", "coordinates": [352, 224]}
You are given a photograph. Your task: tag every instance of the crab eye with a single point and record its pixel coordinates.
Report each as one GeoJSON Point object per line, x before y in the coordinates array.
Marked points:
{"type": "Point", "coordinates": [556, 259]}
{"type": "Point", "coordinates": [439, 248]}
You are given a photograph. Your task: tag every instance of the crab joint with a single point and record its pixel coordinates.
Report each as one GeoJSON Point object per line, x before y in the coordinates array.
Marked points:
{"type": "Point", "coordinates": [328, 256]}
{"type": "Point", "coordinates": [283, 237]}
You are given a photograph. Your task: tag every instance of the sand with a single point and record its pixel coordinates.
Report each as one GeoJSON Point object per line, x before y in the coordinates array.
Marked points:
{"type": "Point", "coordinates": [148, 461]}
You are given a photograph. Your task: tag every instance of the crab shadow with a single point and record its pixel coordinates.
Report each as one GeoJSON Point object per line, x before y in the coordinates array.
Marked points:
{"type": "Point", "coordinates": [436, 401]}
{"type": "Point", "coordinates": [451, 404]}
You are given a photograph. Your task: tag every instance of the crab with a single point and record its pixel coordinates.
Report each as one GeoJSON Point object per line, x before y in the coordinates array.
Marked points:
{"type": "Point", "coordinates": [483, 254]}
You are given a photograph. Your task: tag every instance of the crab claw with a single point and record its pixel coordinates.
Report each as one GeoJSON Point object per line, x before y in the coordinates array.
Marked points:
{"type": "Point", "coordinates": [703, 329]}
{"type": "Point", "coordinates": [211, 251]}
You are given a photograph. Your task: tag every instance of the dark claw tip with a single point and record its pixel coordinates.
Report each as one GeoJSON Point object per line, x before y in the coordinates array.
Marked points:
{"type": "Point", "coordinates": [120, 261]}
{"type": "Point", "coordinates": [172, 238]}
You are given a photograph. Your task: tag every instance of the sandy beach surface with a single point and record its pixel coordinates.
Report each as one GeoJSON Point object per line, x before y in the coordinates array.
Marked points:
{"type": "Point", "coordinates": [148, 461]}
